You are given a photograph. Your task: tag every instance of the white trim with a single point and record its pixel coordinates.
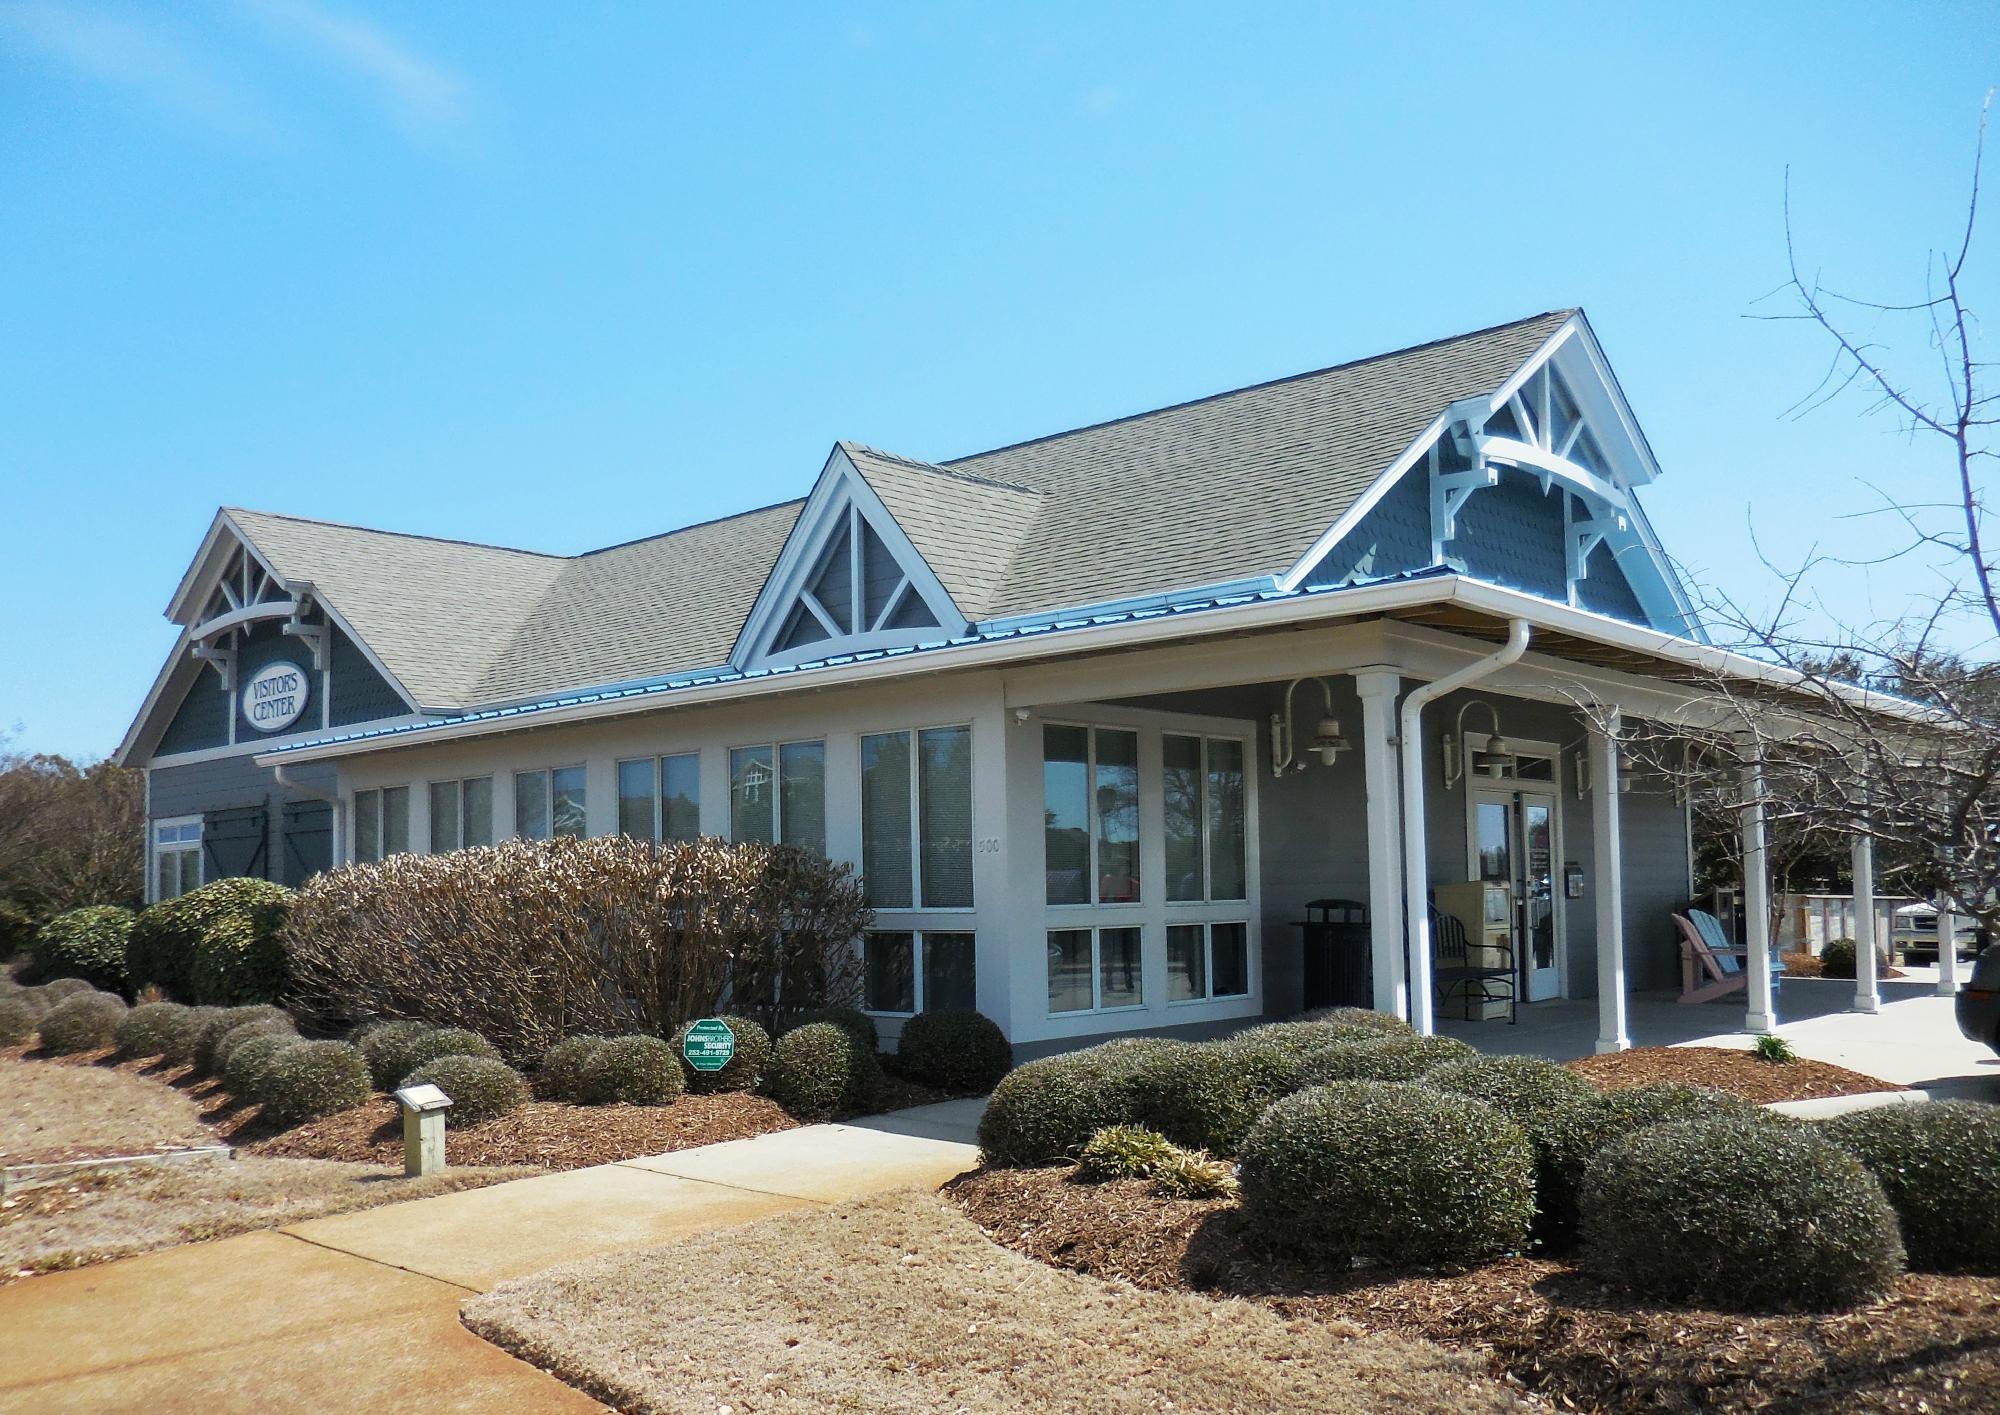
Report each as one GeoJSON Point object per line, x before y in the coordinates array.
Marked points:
{"type": "Point", "coordinates": [919, 943]}
{"type": "Point", "coordinates": [195, 847]}
{"type": "Point", "coordinates": [777, 749]}
{"type": "Point", "coordinates": [270, 744]}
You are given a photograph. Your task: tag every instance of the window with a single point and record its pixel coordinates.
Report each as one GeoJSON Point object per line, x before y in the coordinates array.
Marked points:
{"type": "Point", "coordinates": [918, 972]}
{"type": "Point", "coordinates": [177, 856]}
{"type": "Point", "coordinates": [857, 587]}
{"type": "Point", "coordinates": [461, 814]}
{"type": "Point", "coordinates": [916, 818]}
{"type": "Point", "coordinates": [549, 803]}
{"type": "Point", "coordinates": [788, 805]}
{"type": "Point", "coordinates": [1094, 969]}
{"type": "Point", "coordinates": [381, 823]}
{"type": "Point", "coordinates": [1207, 961]}
{"type": "Point", "coordinates": [1090, 793]}
{"type": "Point", "coordinates": [660, 798]}
{"type": "Point", "coordinates": [1204, 815]}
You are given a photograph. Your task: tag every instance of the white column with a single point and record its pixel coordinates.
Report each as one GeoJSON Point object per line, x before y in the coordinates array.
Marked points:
{"type": "Point", "coordinates": [1378, 688]}
{"type": "Point", "coordinates": [1416, 870]}
{"type": "Point", "coordinates": [1606, 847]}
{"type": "Point", "coordinates": [1757, 1015]}
{"type": "Point", "coordinates": [1947, 942]}
{"type": "Point", "coordinates": [1866, 997]}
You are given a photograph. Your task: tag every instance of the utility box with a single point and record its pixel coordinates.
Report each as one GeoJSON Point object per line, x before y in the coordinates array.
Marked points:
{"type": "Point", "coordinates": [423, 1128]}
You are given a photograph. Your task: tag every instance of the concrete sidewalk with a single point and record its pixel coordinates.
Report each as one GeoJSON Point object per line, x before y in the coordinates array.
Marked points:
{"type": "Point", "coordinates": [359, 1312]}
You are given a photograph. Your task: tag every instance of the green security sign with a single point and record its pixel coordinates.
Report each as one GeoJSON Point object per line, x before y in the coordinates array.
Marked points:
{"type": "Point", "coordinates": [709, 1044]}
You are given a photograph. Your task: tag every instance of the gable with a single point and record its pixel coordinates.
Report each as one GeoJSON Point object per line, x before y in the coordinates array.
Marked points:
{"type": "Point", "coordinates": [848, 580]}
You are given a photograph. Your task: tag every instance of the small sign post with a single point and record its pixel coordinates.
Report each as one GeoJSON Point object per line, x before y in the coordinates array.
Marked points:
{"type": "Point", "coordinates": [709, 1044]}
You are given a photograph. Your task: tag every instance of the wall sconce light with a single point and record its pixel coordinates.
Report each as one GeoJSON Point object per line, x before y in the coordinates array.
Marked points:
{"type": "Point", "coordinates": [1628, 775]}
{"type": "Point", "coordinates": [1461, 754]}
{"type": "Point", "coordinates": [1326, 741]}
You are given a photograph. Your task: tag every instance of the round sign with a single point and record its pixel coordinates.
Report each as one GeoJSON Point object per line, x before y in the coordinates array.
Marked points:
{"type": "Point", "coordinates": [275, 696]}
{"type": "Point", "coordinates": [709, 1044]}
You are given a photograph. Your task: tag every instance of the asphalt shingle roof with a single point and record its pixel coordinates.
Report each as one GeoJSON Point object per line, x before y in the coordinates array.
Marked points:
{"type": "Point", "coordinates": [1202, 493]}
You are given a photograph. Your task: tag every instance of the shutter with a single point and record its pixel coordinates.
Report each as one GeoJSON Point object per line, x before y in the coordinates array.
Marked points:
{"type": "Point", "coordinates": [308, 837]}
{"type": "Point", "coordinates": [236, 842]}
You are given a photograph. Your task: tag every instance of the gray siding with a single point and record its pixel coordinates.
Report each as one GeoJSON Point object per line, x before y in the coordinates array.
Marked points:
{"type": "Point", "coordinates": [359, 693]}
{"type": "Point", "coordinates": [261, 646]}
{"type": "Point", "coordinates": [1606, 590]}
{"type": "Point", "coordinates": [202, 719]}
{"type": "Point", "coordinates": [1511, 534]}
{"type": "Point", "coordinates": [1394, 538]}
{"type": "Point", "coordinates": [234, 783]}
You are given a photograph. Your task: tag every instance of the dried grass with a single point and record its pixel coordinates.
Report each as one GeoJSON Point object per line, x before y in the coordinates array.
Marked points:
{"type": "Point", "coordinates": [899, 1304]}
{"type": "Point", "coordinates": [59, 1112]}
{"type": "Point", "coordinates": [1739, 1072]}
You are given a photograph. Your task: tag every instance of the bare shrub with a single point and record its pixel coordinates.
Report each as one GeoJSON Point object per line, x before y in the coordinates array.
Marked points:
{"type": "Point", "coordinates": [531, 941]}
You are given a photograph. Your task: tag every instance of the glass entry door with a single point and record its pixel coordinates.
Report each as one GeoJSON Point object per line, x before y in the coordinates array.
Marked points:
{"type": "Point", "coordinates": [1514, 843]}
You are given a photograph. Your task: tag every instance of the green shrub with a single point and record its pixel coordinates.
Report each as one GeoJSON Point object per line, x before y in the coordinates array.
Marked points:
{"type": "Point", "coordinates": [1194, 1094]}
{"type": "Point", "coordinates": [85, 943]}
{"type": "Point", "coordinates": [308, 1080]}
{"type": "Point", "coordinates": [1396, 1174]}
{"type": "Point", "coordinates": [1555, 1108]}
{"type": "Point", "coordinates": [220, 1022]}
{"type": "Point", "coordinates": [1774, 1049]}
{"type": "Point", "coordinates": [1516, 1086]}
{"type": "Point", "coordinates": [1386, 1058]}
{"type": "Point", "coordinates": [250, 1062]}
{"type": "Point", "coordinates": [813, 1070]}
{"type": "Point", "coordinates": [1191, 1174]}
{"type": "Point", "coordinates": [955, 1050]}
{"type": "Point", "coordinates": [387, 1048]}
{"type": "Point", "coordinates": [17, 928]}
{"type": "Point", "coordinates": [82, 1022]}
{"type": "Point", "coordinates": [480, 1087]}
{"type": "Point", "coordinates": [1046, 1111]}
{"type": "Point", "coordinates": [744, 1069]}
{"type": "Point", "coordinates": [1361, 1018]}
{"type": "Point", "coordinates": [1837, 959]}
{"type": "Point", "coordinates": [186, 1040]}
{"type": "Point", "coordinates": [62, 989]}
{"type": "Point", "coordinates": [633, 1071]}
{"type": "Point", "coordinates": [857, 1024]}
{"type": "Point", "coordinates": [440, 1042]}
{"type": "Point", "coordinates": [1124, 1152]}
{"type": "Point", "coordinates": [226, 1047]}
{"type": "Point", "coordinates": [560, 1077]}
{"type": "Point", "coordinates": [18, 1020]}
{"type": "Point", "coordinates": [1738, 1214]}
{"type": "Point", "coordinates": [34, 999]}
{"type": "Point", "coordinates": [1634, 1108]}
{"type": "Point", "coordinates": [217, 944]}
{"type": "Point", "coordinates": [155, 1029]}
{"type": "Point", "coordinates": [1939, 1165]}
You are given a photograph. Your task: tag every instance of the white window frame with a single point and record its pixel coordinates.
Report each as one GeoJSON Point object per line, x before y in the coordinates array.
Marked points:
{"type": "Point", "coordinates": [182, 845]}
{"type": "Point", "coordinates": [1096, 932]}
{"type": "Point", "coordinates": [380, 793]}
{"type": "Point", "coordinates": [548, 775]}
{"type": "Point", "coordinates": [917, 946]}
{"type": "Point", "coordinates": [1248, 748]}
{"type": "Point", "coordinates": [1208, 928]}
{"type": "Point", "coordinates": [777, 783]}
{"type": "Point", "coordinates": [1096, 877]}
{"type": "Point", "coordinates": [914, 745]}
{"type": "Point", "coordinates": [659, 771]}
{"type": "Point", "coordinates": [430, 810]}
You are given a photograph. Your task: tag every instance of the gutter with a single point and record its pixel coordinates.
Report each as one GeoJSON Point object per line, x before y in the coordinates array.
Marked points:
{"type": "Point", "coordinates": [1416, 848]}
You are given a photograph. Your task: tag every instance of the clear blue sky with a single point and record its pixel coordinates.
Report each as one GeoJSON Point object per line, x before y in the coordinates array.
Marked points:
{"type": "Point", "coordinates": [563, 275]}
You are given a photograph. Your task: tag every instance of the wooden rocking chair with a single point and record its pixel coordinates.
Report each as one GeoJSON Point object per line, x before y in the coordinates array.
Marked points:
{"type": "Point", "coordinates": [1708, 955]}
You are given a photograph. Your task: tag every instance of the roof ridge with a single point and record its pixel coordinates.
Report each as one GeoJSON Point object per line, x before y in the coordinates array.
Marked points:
{"type": "Point", "coordinates": [973, 477]}
{"type": "Point", "coordinates": [379, 531]}
{"type": "Point", "coordinates": [690, 526]}
{"type": "Point", "coordinates": [952, 462]}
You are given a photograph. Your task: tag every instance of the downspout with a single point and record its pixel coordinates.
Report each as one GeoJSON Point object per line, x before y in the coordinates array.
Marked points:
{"type": "Point", "coordinates": [339, 819]}
{"type": "Point", "coordinates": [1416, 847]}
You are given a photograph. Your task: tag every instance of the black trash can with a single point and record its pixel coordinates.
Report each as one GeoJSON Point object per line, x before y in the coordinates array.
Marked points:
{"type": "Point", "coordinates": [1339, 971]}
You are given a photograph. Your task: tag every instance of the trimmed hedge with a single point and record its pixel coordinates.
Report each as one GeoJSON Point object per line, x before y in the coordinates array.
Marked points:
{"type": "Point", "coordinates": [745, 1068]}
{"type": "Point", "coordinates": [560, 1077]}
{"type": "Point", "coordinates": [438, 1042]}
{"type": "Point", "coordinates": [186, 1041]}
{"type": "Point", "coordinates": [386, 1047]}
{"type": "Point", "coordinates": [1364, 1019]}
{"type": "Point", "coordinates": [62, 989]}
{"type": "Point", "coordinates": [1388, 1173]}
{"type": "Point", "coordinates": [308, 1080]}
{"type": "Point", "coordinates": [813, 1070]}
{"type": "Point", "coordinates": [250, 1062]}
{"type": "Point", "coordinates": [156, 1029]}
{"type": "Point", "coordinates": [217, 944]}
{"type": "Point", "coordinates": [1555, 1108]}
{"type": "Point", "coordinates": [236, 1036]}
{"type": "Point", "coordinates": [82, 1022]}
{"type": "Point", "coordinates": [955, 1050]}
{"type": "Point", "coordinates": [18, 1020]}
{"type": "Point", "coordinates": [1195, 1095]}
{"type": "Point", "coordinates": [1939, 1165]}
{"type": "Point", "coordinates": [86, 943]}
{"type": "Point", "coordinates": [634, 1070]}
{"type": "Point", "coordinates": [1046, 1111]}
{"type": "Point", "coordinates": [856, 1023]}
{"type": "Point", "coordinates": [480, 1087]}
{"type": "Point", "coordinates": [1738, 1214]}
{"type": "Point", "coordinates": [220, 1022]}
{"type": "Point", "coordinates": [1386, 1058]}
{"type": "Point", "coordinates": [1836, 960]}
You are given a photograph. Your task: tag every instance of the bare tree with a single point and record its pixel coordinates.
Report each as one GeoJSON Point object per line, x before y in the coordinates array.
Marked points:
{"type": "Point", "coordinates": [70, 835]}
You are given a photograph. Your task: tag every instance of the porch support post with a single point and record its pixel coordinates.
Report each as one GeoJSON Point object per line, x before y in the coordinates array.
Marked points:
{"type": "Point", "coordinates": [1608, 852]}
{"type": "Point", "coordinates": [1378, 688]}
{"type": "Point", "coordinates": [1756, 903]}
{"type": "Point", "coordinates": [1866, 997]}
{"type": "Point", "coordinates": [1947, 942]}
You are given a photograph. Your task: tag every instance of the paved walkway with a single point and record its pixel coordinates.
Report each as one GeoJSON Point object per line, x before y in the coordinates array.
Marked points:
{"type": "Point", "coordinates": [360, 1312]}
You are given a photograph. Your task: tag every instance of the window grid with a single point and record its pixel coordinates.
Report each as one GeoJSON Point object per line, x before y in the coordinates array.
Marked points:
{"type": "Point", "coordinates": [381, 823]}
{"type": "Point", "coordinates": [913, 747]}
{"type": "Point", "coordinates": [177, 862]}
{"type": "Point", "coordinates": [781, 760]}
{"type": "Point", "coordinates": [1204, 958]}
{"type": "Point", "coordinates": [901, 983]}
{"type": "Point", "coordinates": [1116, 963]}
{"type": "Point", "coordinates": [461, 814]}
{"type": "Point", "coordinates": [1094, 822]}
{"type": "Point", "coordinates": [1205, 817]}
{"type": "Point", "coordinates": [662, 782]}
{"type": "Point", "coordinates": [558, 802]}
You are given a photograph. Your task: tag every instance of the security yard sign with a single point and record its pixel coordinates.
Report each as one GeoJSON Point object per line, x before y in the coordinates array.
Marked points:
{"type": "Point", "coordinates": [709, 1045]}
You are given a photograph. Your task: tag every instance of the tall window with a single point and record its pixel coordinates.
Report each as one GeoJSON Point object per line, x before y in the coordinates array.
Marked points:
{"type": "Point", "coordinates": [381, 823]}
{"type": "Point", "coordinates": [1207, 961]}
{"type": "Point", "coordinates": [918, 972]}
{"type": "Point", "coordinates": [916, 818]}
{"type": "Point", "coordinates": [461, 813]}
{"type": "Point", "coordinates": [1094, 969]}
{"type": "Point", "coordinates": [777, 793]}
{"type": "Point", "coordinates": [1090, 795]}
{"type": "Point", "coordinates": [177, 856]}
{"type": "Point", "coordinates": [1204, 818]}
{"type": "Point", "coordinates": [660, 798]}
{"type": "Point", "coordinates": [549, 803]}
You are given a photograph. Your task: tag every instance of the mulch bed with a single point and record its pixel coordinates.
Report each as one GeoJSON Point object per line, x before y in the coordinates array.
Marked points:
{"type": "Point", "coordinates": [1741, 1072]}
{"type": "Point", "coordinates": [1932, 1345]}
